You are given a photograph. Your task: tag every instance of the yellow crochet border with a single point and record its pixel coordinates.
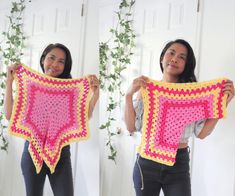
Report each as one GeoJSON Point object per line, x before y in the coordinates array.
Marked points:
{"type": "Point", "coordinates": [24, 105]}
{"type": "Point", "coordinates": [173, 86]}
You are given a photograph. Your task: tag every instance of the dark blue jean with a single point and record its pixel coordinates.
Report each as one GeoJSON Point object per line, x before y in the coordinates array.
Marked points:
{"type": "Point", "coordinates": [150, 177]}
{"type": "Point", "coordinates": [61, 180]}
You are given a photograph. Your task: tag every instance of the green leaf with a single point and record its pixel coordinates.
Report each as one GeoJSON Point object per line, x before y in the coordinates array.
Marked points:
{"type": "Point", "coordinates": [110, 88]}
{"type": "Point", "coordinates": [102, 127]}
{"type": "Point", "coordinates": [3, 85]}
{"type": "Point", "coordinates": [111, 107]}
{"type": "Point", "coordinates": [111, 157]}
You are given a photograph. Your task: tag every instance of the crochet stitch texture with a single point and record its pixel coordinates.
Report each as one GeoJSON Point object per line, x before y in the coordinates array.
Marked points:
{"type": "Point", "coordinates": [169, 107]}
{"type": "Point", "coordinates": [50, 113]}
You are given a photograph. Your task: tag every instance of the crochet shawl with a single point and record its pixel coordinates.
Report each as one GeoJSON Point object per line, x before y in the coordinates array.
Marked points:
{"type": "Point", "coordinates": [50, 113]}
{"type": "Point", "coordinates": [169, 107]}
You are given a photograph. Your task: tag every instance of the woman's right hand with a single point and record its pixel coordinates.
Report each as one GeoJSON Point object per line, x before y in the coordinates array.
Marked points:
{"type": "Point", "coordinates": [137, 84]}
{"type": "Point", "coordinates": [11, 69]}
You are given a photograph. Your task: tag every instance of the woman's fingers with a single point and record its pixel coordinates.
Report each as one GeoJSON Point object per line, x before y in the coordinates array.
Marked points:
{"type": "Point", "coordinates": [229, 90]}
{"type": "Point", "coordinates": [230, 96]}
{"type": "Point", "coordinates": [94, 82]}
{"type": "Point", "coordinates": [141, 82]}
{"type": "Point", "coordinates": [11, 69]}
{"type": "Point", "coordinates": [137, 84]}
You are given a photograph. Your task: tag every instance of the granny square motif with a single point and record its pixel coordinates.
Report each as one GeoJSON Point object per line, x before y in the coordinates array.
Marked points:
{"type": "Point", "coordinates": [169, 108]}
{"type": "Point", "coordinates": [50, 113]}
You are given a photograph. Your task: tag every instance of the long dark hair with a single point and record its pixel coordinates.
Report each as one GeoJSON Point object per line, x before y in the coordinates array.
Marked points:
{"type": "Point", "coordinates": [68, 59]}
{"type": "Point", "coordinates": [188, 74]}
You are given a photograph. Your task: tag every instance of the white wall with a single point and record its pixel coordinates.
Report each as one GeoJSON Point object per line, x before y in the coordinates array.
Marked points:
{"type": "Point", "coordinates": [213, 171]}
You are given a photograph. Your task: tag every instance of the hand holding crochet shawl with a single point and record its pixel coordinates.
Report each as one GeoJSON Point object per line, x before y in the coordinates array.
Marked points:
{"type": "Point", "coordinates": [169, 107]}
{"type": "Point", "coordinates": [50, 113]}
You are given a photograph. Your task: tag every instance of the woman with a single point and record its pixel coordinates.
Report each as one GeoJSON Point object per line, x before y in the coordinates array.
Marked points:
{"type": "Point", "coordinates": [177, 62]}
{"type": "Point", "coordinates": [55, 62]}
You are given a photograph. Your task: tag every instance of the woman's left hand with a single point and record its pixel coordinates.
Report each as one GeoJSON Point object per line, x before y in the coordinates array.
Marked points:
{"type": "Point", "coordinates": [229, 90]}
{"type": "Point", "coordinates": [95, 86]}
{"type": "Point", "coordinates": [94, 82]}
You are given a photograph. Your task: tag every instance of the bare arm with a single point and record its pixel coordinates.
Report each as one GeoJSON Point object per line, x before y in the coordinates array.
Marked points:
{"type": "Point", "coordinates": [8, 98]}
{"type": "Point", "coordinates": [211, 123]}
{"type": "Point", "coordinates": [208, 128]}
{"type": "Point", "coordinates": [130, 114]}
{"type": "Point", "coordinates": [95, 88]}
{"type": "Point", "coordinates": [129, 108]}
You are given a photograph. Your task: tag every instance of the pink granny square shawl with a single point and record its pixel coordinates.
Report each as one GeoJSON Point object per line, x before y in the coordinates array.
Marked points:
{"type": "Point", "coordinates": [50, 113]}
{"type": "Point", "coordinates": [169, 107]}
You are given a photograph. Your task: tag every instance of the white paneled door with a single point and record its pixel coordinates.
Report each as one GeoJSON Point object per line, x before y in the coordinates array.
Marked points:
{"type": "Point", "coordinates": [155, 22]}
{"type": "Point", "coordinates": [45, 22]}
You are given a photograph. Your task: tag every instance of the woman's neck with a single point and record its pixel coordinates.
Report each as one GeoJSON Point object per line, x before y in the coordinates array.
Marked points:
{"type": "Point", "coordinates": [170, 79]}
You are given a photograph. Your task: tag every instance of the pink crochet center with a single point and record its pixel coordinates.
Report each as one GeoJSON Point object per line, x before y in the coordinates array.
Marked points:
{"type": "Point", "coordinates": [47, 124]}
{"type": "Point", "coordinates": [173, 115]}
{"type": "Point", "coordinates": [172, 119]}
{"type": "Point", "coordinates": [50, 114]}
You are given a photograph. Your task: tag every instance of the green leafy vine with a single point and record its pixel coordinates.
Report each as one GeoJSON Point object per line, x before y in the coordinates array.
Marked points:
{"type": "Point", "coordinates": [10, 52]}
{"type": "Point", "coordinates": [115, 55]}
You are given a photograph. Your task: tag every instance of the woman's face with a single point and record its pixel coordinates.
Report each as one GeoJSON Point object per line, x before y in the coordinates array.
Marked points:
{"type": "Point", "coordinates": [54, 62]}
{"type": "Point", "coordinates": [174, 60]}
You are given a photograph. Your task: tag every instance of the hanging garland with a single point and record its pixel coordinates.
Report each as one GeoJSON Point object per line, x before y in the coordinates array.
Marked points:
{"type": "Point", "coordinates": [115, 55]}
{"type": "Point", "coordinates": [11, 52]}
